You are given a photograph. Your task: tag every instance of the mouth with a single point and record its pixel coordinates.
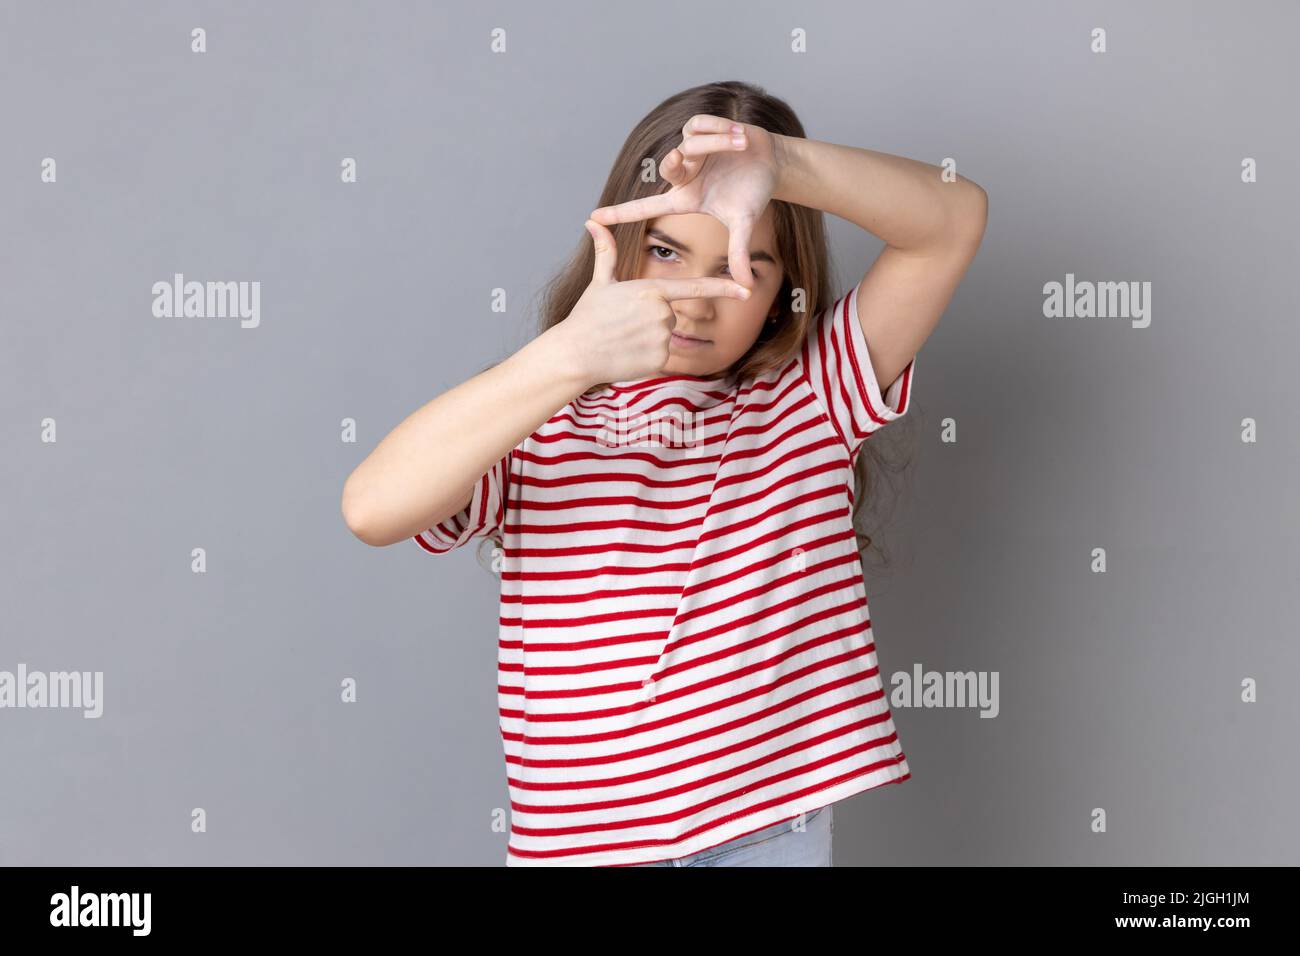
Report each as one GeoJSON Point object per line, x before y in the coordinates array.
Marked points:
{"type": "Point", "coordinates": [681, 338]}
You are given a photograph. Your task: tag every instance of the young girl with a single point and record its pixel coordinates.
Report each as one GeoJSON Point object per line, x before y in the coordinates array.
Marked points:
{"type": "Point", "coordinates": [687, 671]}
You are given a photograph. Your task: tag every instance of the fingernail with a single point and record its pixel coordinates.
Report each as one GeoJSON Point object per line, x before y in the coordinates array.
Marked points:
{"type": "Point", "coordinates": [737, 128]}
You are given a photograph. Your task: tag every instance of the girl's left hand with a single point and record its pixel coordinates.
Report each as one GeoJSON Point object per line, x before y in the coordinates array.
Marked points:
{"type": "Point", "coordinates": [724, 169]}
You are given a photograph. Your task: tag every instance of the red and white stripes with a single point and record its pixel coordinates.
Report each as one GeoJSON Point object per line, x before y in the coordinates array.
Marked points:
{"type": "Point", "coordinates": [685, 650]}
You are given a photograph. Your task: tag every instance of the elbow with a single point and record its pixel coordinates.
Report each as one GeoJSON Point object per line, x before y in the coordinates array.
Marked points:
{"type": "Point", "coordinates": [359, 516]}
{"type": "Point", "coordinates": [972, 214]}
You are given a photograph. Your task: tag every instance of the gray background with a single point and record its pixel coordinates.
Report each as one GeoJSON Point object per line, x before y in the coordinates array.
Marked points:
{"type": "Point", "coordinates": [1118, 690]}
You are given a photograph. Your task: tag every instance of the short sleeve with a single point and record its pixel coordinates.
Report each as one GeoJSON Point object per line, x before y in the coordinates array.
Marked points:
{"type": "Point", "coordinates": [483, 517]}
{"type": "Point", "coordinates": [838, 366]}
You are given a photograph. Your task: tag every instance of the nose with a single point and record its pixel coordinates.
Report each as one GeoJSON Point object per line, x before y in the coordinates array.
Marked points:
{"type": "Point", "coordinates": [697, 310]}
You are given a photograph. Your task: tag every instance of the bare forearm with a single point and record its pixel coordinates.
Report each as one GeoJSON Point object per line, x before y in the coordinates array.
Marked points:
{"type": "Point", "coordinates": [903, 201]}
{"type": "Point", "coordinates": [424, 471]}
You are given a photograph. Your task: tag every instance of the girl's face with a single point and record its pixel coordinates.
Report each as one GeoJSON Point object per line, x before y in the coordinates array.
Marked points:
{"type": "Point", "coordinates": [721, 330]}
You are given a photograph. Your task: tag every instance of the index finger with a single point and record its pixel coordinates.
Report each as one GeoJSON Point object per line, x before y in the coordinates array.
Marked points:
{"type": "Point", "coordinates": [709, 123]}
{"type": "Point", "coordinates": [701, 287]}
{"type": "Point", "coordinates": [648, 207]}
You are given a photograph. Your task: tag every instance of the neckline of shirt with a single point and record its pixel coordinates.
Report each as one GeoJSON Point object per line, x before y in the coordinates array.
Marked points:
{"type": "Point", "coordinates": [692, 383]}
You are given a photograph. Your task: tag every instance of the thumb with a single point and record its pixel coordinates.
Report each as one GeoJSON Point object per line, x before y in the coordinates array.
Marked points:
{"type": "Point", "coordinates": [606, 252]}
{"type": "Point", "coordinates": [738, 253]}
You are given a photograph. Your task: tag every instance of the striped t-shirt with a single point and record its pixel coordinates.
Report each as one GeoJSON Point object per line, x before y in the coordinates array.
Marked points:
{"type": "Point", "coordinates": [685, 651]}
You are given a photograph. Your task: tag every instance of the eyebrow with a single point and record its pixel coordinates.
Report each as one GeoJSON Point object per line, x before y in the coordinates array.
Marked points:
{"type": "Point", "coordinates": [755, 255]}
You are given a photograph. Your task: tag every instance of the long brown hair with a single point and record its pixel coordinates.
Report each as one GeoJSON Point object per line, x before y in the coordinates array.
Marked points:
{"type": "Point", "coordinates": [800, 236]}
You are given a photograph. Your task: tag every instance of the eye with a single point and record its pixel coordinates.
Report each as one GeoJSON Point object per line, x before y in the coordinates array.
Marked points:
{"type": "Point", "coordinates": [655, 250]}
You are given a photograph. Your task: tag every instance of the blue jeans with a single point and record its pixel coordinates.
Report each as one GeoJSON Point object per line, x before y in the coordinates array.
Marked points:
{"type": "Point", "coordinates": [777, 845]}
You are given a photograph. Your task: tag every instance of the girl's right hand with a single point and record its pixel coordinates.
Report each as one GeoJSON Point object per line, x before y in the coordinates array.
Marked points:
{"type": "Point", "coordinates": [620, 331]}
